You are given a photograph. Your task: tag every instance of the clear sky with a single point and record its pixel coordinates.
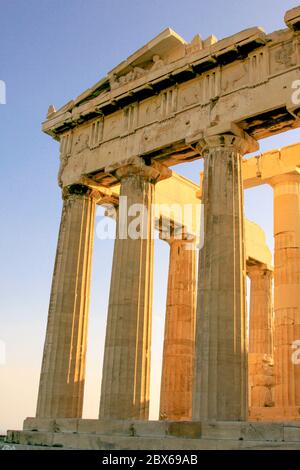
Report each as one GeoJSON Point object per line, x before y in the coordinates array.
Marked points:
{"type": "Point", "coordinates": [51, 51]}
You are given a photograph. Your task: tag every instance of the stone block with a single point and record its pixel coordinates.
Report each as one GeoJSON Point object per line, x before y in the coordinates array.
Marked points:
{"type": "Point", "coordinates": [66, 425]}
{"type": "Point", "coordinates": [64, 439]}
{"type": "Point", "coordinates": [150, 428]}
{"type": "Point", "coordinates": [111, 427]}
{"type": "Point", "coordinates": [38, 424]}
{"type": "Point", "coordinates": [262, 431]}
{"type": "Point", "coordinates": [87, 426]}
{"type": "Point", "coordinates": [36, 438]}
{"type": "Point", "coordinates": [186, 429]}
{"type": "Point", "coordinates": [292, 432]}
{"type": "Point", "coordinates": [221, 430]}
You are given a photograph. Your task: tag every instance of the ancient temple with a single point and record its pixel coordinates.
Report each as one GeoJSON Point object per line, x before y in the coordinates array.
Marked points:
{"type": "Point", "coordinates": [229, 380]}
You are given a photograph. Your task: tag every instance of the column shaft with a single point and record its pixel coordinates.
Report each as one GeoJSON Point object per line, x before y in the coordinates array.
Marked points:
{"type": "Point", "coordinates": [63, 368]}
{"type": "Point", "coordinates": [287, 293]}
{"type": "Point", "coordinates": [126, 367]}
{"type": "Point", "coordinates": [220, 390]}
{"type": "Point", "coordinates": [260, 359]}
{"type": "Point", "coordinates": [179, 339]}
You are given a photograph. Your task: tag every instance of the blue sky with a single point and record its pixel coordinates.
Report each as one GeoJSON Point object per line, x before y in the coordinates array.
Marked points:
{"type": "Point", "coordinates": [51, 51]}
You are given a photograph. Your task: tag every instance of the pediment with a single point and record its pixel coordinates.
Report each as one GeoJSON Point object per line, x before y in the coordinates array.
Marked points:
{"type": "Point", "coordinates": [159, 57]}
{"type": "Point", "coordinates": [168, 45]}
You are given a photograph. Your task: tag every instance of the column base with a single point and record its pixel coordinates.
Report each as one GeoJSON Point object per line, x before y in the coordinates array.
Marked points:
{"type": "Point", "coordinates": [157, 435]}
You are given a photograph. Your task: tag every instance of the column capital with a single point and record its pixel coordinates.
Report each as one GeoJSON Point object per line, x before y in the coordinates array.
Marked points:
{"type": "Point", "coordinates": [227, 136]}
{"type": "Point", "coordinates": [171, 233]}
{"type": "Point", "coordinates": [260, 269]}
{"type": "Point", "coordinates": [284, 178]}
{"type": "Point", "coordinates": [136, 166]}
{"type": "Point", "coordinates": [184, 240]}
{"type": "Point", "coordinates": [83, 191]}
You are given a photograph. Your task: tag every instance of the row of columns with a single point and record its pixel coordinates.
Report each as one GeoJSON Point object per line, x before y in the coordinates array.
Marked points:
{"type": "Point", "coordinates": [211, 352]}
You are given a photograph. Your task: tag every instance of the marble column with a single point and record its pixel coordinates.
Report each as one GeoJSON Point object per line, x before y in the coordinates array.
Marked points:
{"type": "Point", "coordinates": [126, 366]}
{"type": "Point", "coordinates": [287, 294]}
{"type": "Point", "coordinates": [220, 385]}
{"type": "Point", "coordinates": [260, 358]}
{"type": "Point", "coordinates": [179, 339]}
{"type": "Point", "coordinates": [63, 368]}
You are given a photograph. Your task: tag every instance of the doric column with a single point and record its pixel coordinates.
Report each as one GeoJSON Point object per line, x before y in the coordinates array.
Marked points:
{"type": "Point", "coordinates": [260, 358]}
{"type": "Point", "coordinates": [179, 340]}
{"type": "Point", "coordinates": [220, 385]}
{"type": "Point", "coordinates": [126, 366]}
{"type": "Point", "coordinates": [63, 369]}
{"type": "Point", "coordinates": [287, 293]}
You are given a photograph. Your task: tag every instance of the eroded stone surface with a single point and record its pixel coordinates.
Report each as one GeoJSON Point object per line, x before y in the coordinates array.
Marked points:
{"type": "Point", "coordinates": [179, 338]}
{"type": "Point", "coordinates": [165, 435]}
{"type": "Point", "coordinates": [220, 383]}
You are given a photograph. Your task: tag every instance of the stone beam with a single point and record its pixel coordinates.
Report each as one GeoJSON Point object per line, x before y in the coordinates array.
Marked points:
{"type": "Point", "coordinates": [257, 249]}
{"type": "Point", "coordinates": [292, 18]}
{"type": "Point", "coordinates": [158, 105]}
{"type": "Point", "coordinates": [262, 168]}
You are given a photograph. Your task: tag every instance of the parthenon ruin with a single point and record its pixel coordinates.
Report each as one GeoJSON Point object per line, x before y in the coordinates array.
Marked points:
{"type": "Point", "coordinates": [174, 102]}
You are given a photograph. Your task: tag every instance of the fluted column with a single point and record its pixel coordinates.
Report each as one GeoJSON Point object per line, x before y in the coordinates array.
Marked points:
{"type": "Point", "coordinates": [63, 368]}
{"type": "Point", "coordinates": [260, 359]}
{"type": "Point", "coordinates": [287, 293]}
{"type": "Point", "coordinates": [126, 367]}
{"type": "Point", "coordinates": [220, 389]}
{"type": "Point", "coordinates": [179, 340]}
